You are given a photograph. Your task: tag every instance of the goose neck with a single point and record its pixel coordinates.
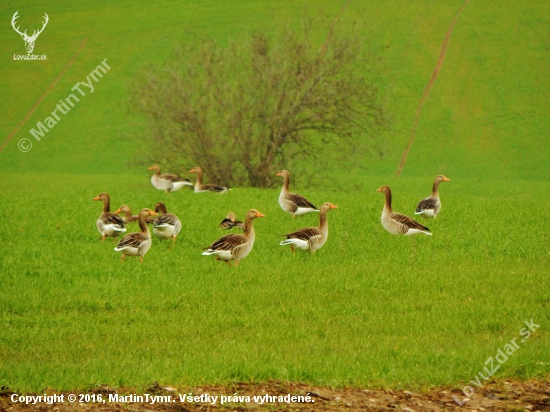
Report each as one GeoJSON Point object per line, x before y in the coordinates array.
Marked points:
{"type": "Point", "coordinates": [199, 178]}
{"type": "Point", "coordinates": [248, 227]}
{"type": "Point", "coordinates": [106, 204]}
{"type": "Point", "coordinates": [323, 219]}
{"type": "Point", "coordinates": [387, 201]}
{"type": "Point", "coordinates": [323, 224]}
{"type": "Point", "coordinates": [143, 223]}
{"type": "Point", "coordinates": [435, 191]}
{"type": "Point", "coordinates": [286, 184]}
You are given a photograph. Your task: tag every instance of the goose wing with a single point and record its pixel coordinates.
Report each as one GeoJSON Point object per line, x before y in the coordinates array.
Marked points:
{"type": "Point", "coordinates": [229, 242]}
{"type": "Point", "coordinates": [229, 224]}
{"type": "Point", "coordinates": [408, 222]}
{"type": "Point", "coordinates": [174, 178]}
{"type": "Point", "coordinates": [226, 224]}
{"type": "Point", "coordinates": [132, 240]}
{"type": "Point", "coordinates": [300, 201]}
{"type": "Point", "coordinates": [428, 203]}
{"type": "Point", "coordinates": [111, 219]}
{"type": "Point", "coordinates": [166, 219]}
{"type": "Point", "coordinates": [213, 188]}
{"type": "Point", "coordinates": [306, 234]}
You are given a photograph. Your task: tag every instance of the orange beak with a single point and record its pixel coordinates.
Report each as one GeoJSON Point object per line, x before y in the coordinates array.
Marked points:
{"type": "Point", "coordinates": [192, 171]}
{"type": "Point", "coordinates": [258, 214]}
{"type": "Point", "coordinates": [118, 210]}
{"type": "Point", "coordinates": [446, 179]}
{"type": "Point", "coordinates": [333, 206]}
{"type": "Point", "coordinates": [379, 189]}
{"type": "Point", "coordinates": [278, 174]}
{"type": "Point", "coordinates": [96, 198]}
{"type": "Point", "coordinates": [151, 168]}
{"type": "Point", "coordinates": [153, 213]}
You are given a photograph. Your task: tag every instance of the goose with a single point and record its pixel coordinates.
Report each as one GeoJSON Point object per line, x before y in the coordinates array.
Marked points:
{"type": "Point", "coordinates": [167, 225]}
{"type": "Point", "coordinates": [127, 216]}
{"type": "Point", "coordinates": [396, 223]}
{"type": "Point", "coordinates": [199, 187]}
{"type": "Point", "coordinates": [235, 246]}
{"type": "Point", "coordinates": [168, 183]}
{"type": "Point", "coordinates": [137, 243]}
{"type": "Point", "coordinates": [230, 222]}
{"type": "Point", "coordinates": [108, 224]}
{"type": "Point", "coordinates": [293, 203]}
{"type": "Point", "coordinates": [311, 238]}
{"type": "Point", "coordinates": [430, 206]}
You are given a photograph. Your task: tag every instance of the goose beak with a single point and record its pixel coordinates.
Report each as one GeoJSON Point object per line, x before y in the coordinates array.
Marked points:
{"type": "Point", "coordinates": [151, 168]}
{"type": "Point", "coordinates": [153, 213]}
{"type": "Point", "coordinates": [446, 179]}
{"type": "Point", "coordinates": [118, 210]}
{"type": "Point", "coordinates": [333, 207]}
{"type": "Point", "coordinates": [192, 171]}
{"type": "Point", "coordinates": [379, 189]}
{"type": "Point", "coordinates": [278, 174]}
{"type": "Point", "coordinates": [96, 198]}
{"type": "Point", "coordinates": [258, 214]}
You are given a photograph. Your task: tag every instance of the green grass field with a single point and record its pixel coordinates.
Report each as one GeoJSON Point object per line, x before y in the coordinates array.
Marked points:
{"type": "Point", "coordinates": [367, 309]}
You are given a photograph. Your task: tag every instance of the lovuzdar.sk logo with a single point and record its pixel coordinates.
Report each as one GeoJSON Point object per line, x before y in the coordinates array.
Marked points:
{"type": "Point", "coordinates": [29, 40]}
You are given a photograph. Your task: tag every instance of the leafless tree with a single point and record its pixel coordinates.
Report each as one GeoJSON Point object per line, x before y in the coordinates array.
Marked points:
{"type": "Point", "coordinates": [245, 110]}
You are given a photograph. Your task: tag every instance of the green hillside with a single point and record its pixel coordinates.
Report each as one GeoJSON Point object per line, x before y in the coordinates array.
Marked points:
{"type": "Point", "coordinates": [485, 115]}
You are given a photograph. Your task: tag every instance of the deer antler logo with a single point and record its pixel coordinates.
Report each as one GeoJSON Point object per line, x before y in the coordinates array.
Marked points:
{"type": "Point", "coordinates": [29, 40]}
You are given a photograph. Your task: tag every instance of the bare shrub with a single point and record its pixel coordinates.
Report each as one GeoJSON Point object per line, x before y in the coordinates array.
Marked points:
{"type": "Point", "coordinates": [247, 109]}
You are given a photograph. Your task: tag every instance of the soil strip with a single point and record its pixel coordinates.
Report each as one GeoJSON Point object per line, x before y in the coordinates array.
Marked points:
{"type": "Point", "coordinates": [493, 395]}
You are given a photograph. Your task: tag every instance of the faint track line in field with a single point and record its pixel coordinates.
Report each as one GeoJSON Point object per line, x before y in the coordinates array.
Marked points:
{"type": "Point", "coordinates": [429, 86]}
{"type": "Point", "coordinates": [331, 30]}
{"type": "Point", "coordinates": [47, 92]}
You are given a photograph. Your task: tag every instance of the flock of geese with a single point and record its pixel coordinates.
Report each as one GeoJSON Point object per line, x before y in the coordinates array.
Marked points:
{"type": "Point", "coordinates": [236, 246]}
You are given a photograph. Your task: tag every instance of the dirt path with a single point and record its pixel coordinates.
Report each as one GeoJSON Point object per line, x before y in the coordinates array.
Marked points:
{"type": "Point", "coordinates": [529, 396]}
{"type": "Point", "coordinates": [47, 92]}
{"type": "Point", "coordinates": [429, 87]}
